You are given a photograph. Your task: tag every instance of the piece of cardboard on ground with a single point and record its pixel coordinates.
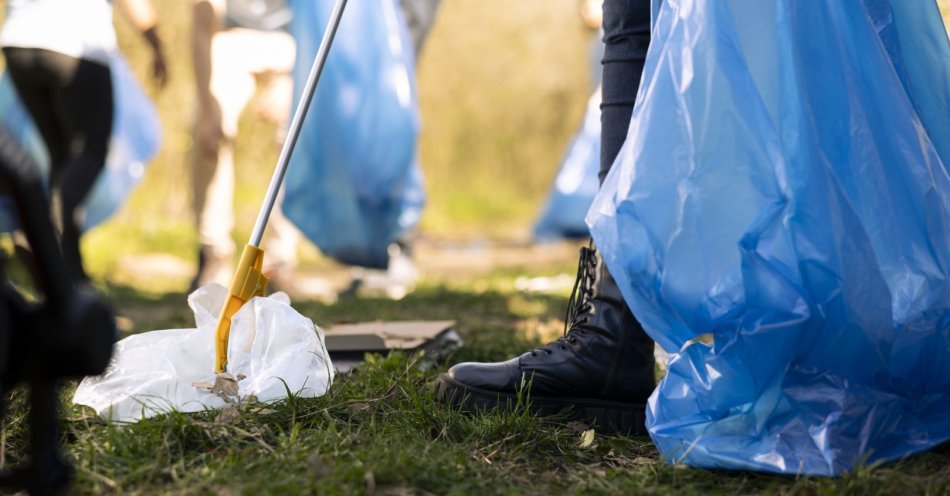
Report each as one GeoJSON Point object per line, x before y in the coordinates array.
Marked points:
{"type": "Point", "coordinates": [348, 344]}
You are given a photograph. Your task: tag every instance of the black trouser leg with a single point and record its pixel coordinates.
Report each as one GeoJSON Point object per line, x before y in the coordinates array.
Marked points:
{"type": "Point", "coordinates": [626, 38]}
{"type": "Point", "coordinates": [87, 104]}
{"type": "Point", "coordinates": [70, 101]}
{"type": "Point", "coordinates": [36, 88]}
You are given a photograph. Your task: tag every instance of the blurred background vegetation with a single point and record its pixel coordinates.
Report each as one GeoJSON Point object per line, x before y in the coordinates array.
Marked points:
{"type": "Point", "coordinates": [502, 88]}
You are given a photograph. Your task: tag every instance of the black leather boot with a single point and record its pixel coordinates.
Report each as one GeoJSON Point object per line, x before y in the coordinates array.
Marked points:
{"type": "Point", "coordinates": [600, 371]}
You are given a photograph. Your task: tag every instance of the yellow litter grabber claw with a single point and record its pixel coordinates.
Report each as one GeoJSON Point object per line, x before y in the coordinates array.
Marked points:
{"type": "Point", "coordinates": [248, 280]}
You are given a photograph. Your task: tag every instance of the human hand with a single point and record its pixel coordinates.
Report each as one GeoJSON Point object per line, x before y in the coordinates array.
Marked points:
{"type": "Point", "coordinates": [159, 69]}
{"type": "Point", "coordinates": [592, 13]}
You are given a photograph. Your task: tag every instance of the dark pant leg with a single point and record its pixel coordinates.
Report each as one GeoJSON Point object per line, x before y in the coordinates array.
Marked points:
{"type": "Point", "coordinates": [86, 105]}
{"type": "Point", "coordinates": [35, 86]}
{"type": "Point", "coordinates": [626, 38]}
{"type": "Point", "coordinates": [72, 100]}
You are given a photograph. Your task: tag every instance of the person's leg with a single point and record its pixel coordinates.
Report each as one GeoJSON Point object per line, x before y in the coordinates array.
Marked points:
{"type": "Point", "coordinates": [70, 100]}
{"type": "Point", "coordinates": [626, 39]}
{"type": "Point", "coordinates": [602, 368]}
{"type": "Point", "coordinates": [34, 87]}
{"type": "Point", "coordinates": [280, 245]}
{"type": "Point", "coordinates": [232, 86]}
{"type": "Point", "coordinates": [239, 57]}
{"type": "Point", "coordinates": [401, 274]}
{"type": "Point", "coordinates": [212, 181]}
{"type": "Point", "coordinates": [281, 237]}
{"type": "Point", "coordinates": [86, 105]}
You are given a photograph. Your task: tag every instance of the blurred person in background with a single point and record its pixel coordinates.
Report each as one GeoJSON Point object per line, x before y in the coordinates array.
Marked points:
{"type": "Point", "coordinates": [236, 45]}
{"type": "Point", "coordinates": [58, 54]}
{"type": "Point", "coordinates": [592, 14]}
{"type": "Point", "coordinates": [400, 276]}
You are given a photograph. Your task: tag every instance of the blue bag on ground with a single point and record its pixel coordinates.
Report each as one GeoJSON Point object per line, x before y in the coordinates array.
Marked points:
{"type": "Point", "coordinates": [354, 185]}
{"type": "Point", "coordinates": [136, 137]}
{"type": "Point", "coordinates": [576, 183]}
{"type": "Point", "coordinates": [778, 221]}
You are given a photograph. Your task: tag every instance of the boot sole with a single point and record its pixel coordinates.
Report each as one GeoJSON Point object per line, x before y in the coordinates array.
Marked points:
{"type": "Point", "coordinates": [610, 417]}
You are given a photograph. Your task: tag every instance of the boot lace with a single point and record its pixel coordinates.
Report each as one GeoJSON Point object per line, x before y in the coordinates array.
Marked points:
{"type": "Point", "coordinates": [579, 305]}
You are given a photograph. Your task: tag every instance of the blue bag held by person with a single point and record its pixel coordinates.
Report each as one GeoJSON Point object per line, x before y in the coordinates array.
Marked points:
{"type": "Point", "coordinates": [354, 185]}
{"type": "Point", "coordinates": [778, 221]}
{"type": "Point", "coordinates": [136, 137]}
{"type": "Point", "coordinates": [576, 183]}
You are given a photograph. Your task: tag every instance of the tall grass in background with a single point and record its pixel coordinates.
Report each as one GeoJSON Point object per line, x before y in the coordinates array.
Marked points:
{"type": "Point", "coordinates": [502, 87]}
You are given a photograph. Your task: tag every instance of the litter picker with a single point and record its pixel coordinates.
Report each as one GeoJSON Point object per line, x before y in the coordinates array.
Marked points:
{"type": "Point", "coordinates": [249, 279]}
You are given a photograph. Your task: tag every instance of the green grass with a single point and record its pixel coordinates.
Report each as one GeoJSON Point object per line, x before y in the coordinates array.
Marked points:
{"type": "Point", "coordinates": [381, 431]}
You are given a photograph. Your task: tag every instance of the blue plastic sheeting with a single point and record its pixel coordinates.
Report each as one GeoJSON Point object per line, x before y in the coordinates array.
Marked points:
{"type": "Point", "coordinates": [354, 185]}
{"type": "Point", "coordinates": [136, 137]}
{"type": "Point", "coordinates": [777, 219]}
{"type": "Point", "coordinates": [576, 183]}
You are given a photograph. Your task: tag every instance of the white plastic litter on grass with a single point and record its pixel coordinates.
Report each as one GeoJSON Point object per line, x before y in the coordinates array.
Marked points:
{"type": "Point", "coordinates": [272, 350]}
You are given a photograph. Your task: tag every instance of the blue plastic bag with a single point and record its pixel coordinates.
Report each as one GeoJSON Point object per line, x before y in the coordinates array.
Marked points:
{"type": "Point", "coordinates": [136, 137]}
{"type": "Point", "coordinates": [778, 221]}
{"type": "Point", "coordinates": [576, 183]}
{"type": "Point", "coordinates": [354, 185]}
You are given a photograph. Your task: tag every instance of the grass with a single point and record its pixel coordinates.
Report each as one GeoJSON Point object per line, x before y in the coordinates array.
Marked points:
{"type": "Point", "coordinates": [380, 431]}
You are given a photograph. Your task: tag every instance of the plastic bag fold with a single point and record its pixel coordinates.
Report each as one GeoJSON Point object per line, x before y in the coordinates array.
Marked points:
{"type": "Point", "coordinates": [354, 184]}
{"type": "Point", "coordinates": [778, 221]}
{"type": "Point", "coordinates": [272, 351]}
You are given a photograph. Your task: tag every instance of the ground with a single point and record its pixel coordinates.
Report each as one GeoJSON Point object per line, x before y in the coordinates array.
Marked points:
{"type": "Point", "coordinates": [380, 431]}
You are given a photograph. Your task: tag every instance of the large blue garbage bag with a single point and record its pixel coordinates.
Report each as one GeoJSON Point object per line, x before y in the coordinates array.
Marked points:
{"type": "Point", "coordinates": [354, 185]}
{"type": "Point", "coordinates": [136, 137]}
{"type": "Point", "coordinates": [576, 182]}
{"type": "Point", "coordinates": [778, 221]}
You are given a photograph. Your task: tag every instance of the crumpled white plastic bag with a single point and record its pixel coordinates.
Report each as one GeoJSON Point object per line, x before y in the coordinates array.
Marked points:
{"type": "Point", "coordinates": [272, 349]}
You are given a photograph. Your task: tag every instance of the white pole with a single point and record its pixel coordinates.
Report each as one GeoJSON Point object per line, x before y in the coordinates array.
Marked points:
{"type": "Point", "coordinates": [295, 124]}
